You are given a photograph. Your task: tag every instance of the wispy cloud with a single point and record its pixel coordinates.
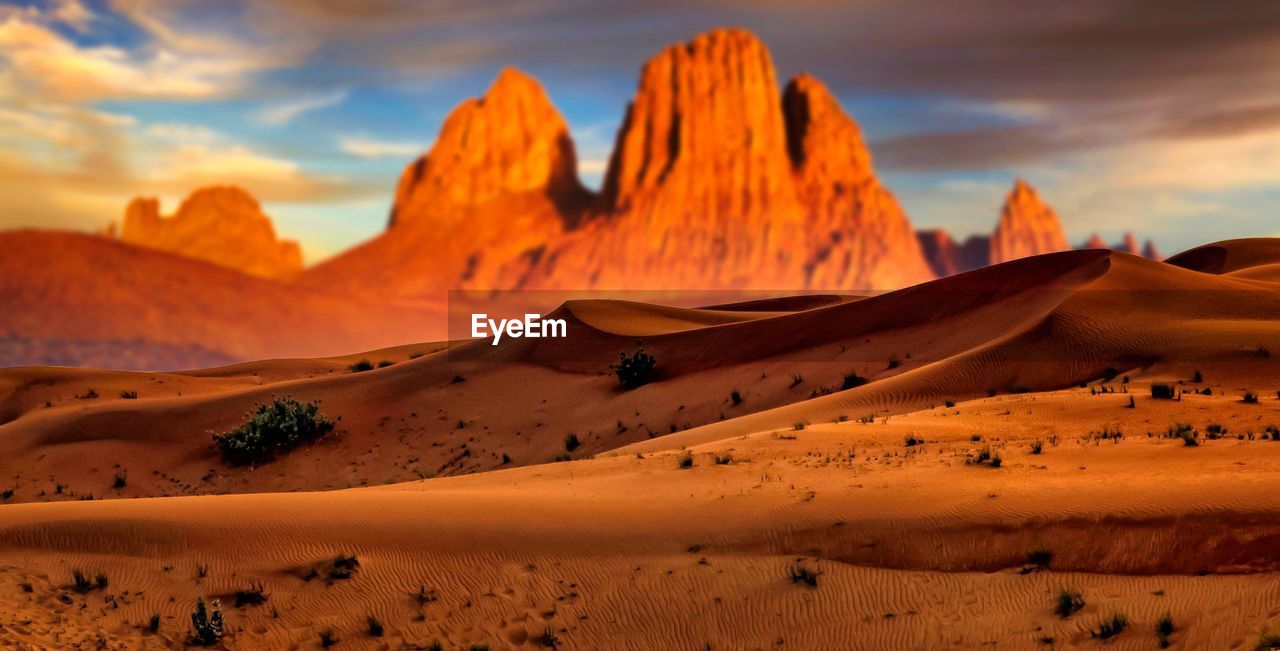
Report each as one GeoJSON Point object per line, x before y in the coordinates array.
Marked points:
{"type": "Point", "coordinates": [370, 148]}
{"type": "Point", "coordinates": [286, 112]}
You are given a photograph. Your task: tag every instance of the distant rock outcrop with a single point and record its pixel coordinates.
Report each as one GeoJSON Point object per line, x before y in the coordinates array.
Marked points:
{"type": "Point", "coordinates": [221, 224]}
{"type": "Point", "coordinates": [1027, 227]}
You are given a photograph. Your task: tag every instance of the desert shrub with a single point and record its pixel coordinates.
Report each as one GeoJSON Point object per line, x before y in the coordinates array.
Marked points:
{"type": "Point", "coordinates": [385, 363]}
{"type": "Point", "coordinates": [894, 362]}
{"type": "Point", "coordinates": [1131, 404]}
{"type": "Point", "coordinates": [1163, 391]}
{"type": "Point", "coordinates": [636, 370]}
{"type": "Point", "coordinates": [975, 438]}
{"type": "Point", "coordinates": [361, 366]}
{"type": "Point", "coordinates": [206, 627]}
{"type": "Point", "coordinates": [1249, 398]}
{"type": "Point", "coordinates": [996, 461]}
{"type": "Point", "coordinates": [1040, 557]}
{"type": "Point", "coordinates": [912, 441]}
{"type": "Point", "coordinates": [797, 426]}
{"type": "Point", "coordinates": [254, 595]}
{"type": "Point", "coordinates": [6, 494]}
{"type": "Point", "coordinates": [129, 395]}
{"type": "Point", "coordinates": [724, 459]}
{"type": "Point", "coordinates": [1164, 628]}
{"type": "Point", "coordinates": [571, 442]}
{"type": "Point", "coordinates": [1270, 641]}
{"type": "Point", "coordinates": [1214, 431]}
{"type": "Point", "coordinates": [1037, 446]}
{"type": "Point", "coordinates": [796, 380]}
{"type": "Point", "coordinates": [1109, 373]}
{"type": "Point", "coordinates": [851, 381]}
{"type": "Point", "coordinates": [1111, 626]}
{"type": "Point", "coordinates": [80, 581]}
{"type": "Point", "coordinates": [328, 638]}
{"type": "Point", "coordinates": [153, 624]}
{"type": "Point", "coordinates": [984, 455]}
{"type": "Point", "coordinates": [272, 429]}
{"type": "Point", "coordinates": [735, 398]}
{"type": "Point", "coordinates": [375, 627]}
{"type": "Point", "coordinates": [949, 403]}
{"type": "Point", "coordinates": [343, 566]}
{"type": "Point", "coordinates": [801, 573]}
{"type": "Point", "coordinates": [548, 639]}
{"type": "Point", "coordinates": [1068, 603]}
{"type": "Point", "coordinates": [121, 480]}
{"type": "Point", "coordinates": [685, 460]}
{"type": "Point", "coordinates": [1197, 378]}
{"type": "Point", "coordinates": [1274, 432]}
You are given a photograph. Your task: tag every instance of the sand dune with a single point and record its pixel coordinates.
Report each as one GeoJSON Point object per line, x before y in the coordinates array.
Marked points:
{"type": "Point", "coordinates": [920, 543]}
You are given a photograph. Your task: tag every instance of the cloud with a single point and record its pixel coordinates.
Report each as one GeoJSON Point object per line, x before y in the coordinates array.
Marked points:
{"type": "Point", "coordinates": [286, 112]}
{"type": "Point", "coordinates": [371, 148]}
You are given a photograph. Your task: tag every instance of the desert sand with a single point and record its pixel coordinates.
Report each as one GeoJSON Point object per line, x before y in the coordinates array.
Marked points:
{"type": "Point", "coordinates": [680, 519]}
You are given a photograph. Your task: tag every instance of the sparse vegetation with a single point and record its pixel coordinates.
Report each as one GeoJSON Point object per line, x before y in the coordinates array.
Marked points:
{"type": "Point", "coordinates": [343, 566]}
{"type": "Point", "coordinates": [361, 366]}
{"type": "Point", "coordinates": [328, 638]}
{"type": "Point", "coordinates": [1197, 378]}
{"type": "Point", "coordinates": [1040, 557]}
{"type": "Point", "coordinates": [81, 582]}
{"type": "Point", "coordinates": [254, 595]}
{"type": "Point", "coordinates": [375, 627]}
{"type": "Point", "coordinates": [1164, 391]}
{"type": "Point", "coordinates": [1249, 398]}
{"type": "Point", "coordinates": [996, 461]}
{"type": "Point", "coordinates": [1111, 626]}
{"type": "Point", "coordinates": [685, 460]}
{"type": "Point", "coordinates": [571, 442]}
{"type": "Point", "coordinates": [801, 573]}
{"type": "Point", "coordinates": [129, 395]}
{"type": "Point", "coordinates": [206, 627]}
{"type": "Point", "coordinates": [1164, 629]}
{"type": "Point", "coordinates": [724, 459]}
{"type": "Point", "coordinates": [548, 639]}
{"type": "Point", "coordinates": [1069, 602]}
{"type": "Point", "coordinates": [1037, 446]}
{"type": "Point", "coordinates": [796, 380]}
{"type": "Point", "coordinates": [735, 398]}
{"type": "Point", "coordinates": [949, 404]}
{"type": "Point", "coordinates": [153, 624]}
{"type": "Point", "coordinates": [912, 441]}
{"type": "Point", "coordinates": [798, 426]}
{"type": "Point", "coordinates": [121, 480]}
{"type": "Point", "coordinates": [636, 370]}
{"type": "Point", "coordinates": [851, 381]}
{"type": "Point", "coordinates": [272, 429]}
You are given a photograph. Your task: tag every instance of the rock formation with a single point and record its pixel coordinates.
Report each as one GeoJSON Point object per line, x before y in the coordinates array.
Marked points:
{"type": "Point", "coordinates": [716, 181]}
{"type": "Point", "coordinates": [1027, 227]}
{"type": "Point", "coordinates": [1095, 241]}
{"type": "Point", "coordinates": [222, 224]}
{"type": "Point", "coordinates": [499, 185]}
{"type": "Point", "coordinates": [947, 258]}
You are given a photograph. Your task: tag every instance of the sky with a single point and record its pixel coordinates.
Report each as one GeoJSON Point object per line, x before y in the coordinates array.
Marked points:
{"type": "Point", "coordinates": [1157, 116]}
